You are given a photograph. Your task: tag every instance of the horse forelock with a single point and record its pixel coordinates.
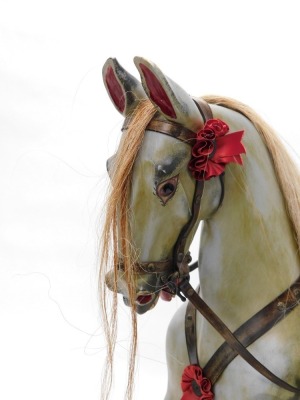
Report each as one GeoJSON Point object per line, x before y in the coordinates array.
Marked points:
{"type": "Point", "coordinates": [116, 241]}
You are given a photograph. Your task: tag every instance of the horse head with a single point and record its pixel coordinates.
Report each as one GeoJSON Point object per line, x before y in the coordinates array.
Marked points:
{"type": "Point", "coordinates": [162, 188]}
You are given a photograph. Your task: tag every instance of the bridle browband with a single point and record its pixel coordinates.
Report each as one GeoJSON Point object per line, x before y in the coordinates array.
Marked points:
{"type": "Point", "coordinates": [174, 274]}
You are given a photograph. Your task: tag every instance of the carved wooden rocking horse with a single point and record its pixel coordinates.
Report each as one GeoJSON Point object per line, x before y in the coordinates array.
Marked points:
{"type": "Point", "coordinates": [181, 161]}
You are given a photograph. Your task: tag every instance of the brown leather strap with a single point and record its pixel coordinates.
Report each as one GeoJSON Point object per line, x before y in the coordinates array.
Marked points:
{"type": "Point", "coordinates": [204, 109]}
{"type": "Point", "coordinates": [272, 314]}
{"type": "Point", "coordinates": [160, 125]}
{"type": "Point", "coordinates": [151, 266]}
{"type": "Point", "coordinates": [254, 328]}
{"type": "Point", "coordinates": [179, 249]}
{"type": "Point", "coordinates": [172, 129]}
{"type": "Point", "coordinates": [191, 334]}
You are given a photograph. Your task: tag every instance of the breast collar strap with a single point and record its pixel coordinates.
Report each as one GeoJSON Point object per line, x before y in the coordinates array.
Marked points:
{"type": "Point", "coordinates": [236, 343]}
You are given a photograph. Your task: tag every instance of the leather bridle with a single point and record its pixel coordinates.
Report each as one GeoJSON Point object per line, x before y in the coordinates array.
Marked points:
{"type": "Point", "coordinates": [174, 274]}
{"type": "Point", "coordinates": [170, 271]}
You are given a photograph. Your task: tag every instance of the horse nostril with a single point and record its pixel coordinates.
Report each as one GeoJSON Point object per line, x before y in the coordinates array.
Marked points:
{"type": "Point", "coordinates": [109, 281]}
{"type": "Point", "coordinates": [126, 301]}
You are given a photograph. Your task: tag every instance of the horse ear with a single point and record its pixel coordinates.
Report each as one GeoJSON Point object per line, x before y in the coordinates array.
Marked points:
{"type": "Point", "coordinates": [124, 89]}
{"type": "Point", "coordinates": [175, 104]}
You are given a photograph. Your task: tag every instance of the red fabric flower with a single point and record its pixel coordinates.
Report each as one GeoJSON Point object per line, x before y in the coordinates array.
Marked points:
{"type": "Point", "coordinates": [194, 385]}
{"type": "Point", "coordinates": [213, 150]}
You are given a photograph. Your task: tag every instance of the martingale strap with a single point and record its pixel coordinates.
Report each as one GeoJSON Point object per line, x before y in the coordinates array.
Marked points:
{"type": "Point", "coordinates": [236, 343]}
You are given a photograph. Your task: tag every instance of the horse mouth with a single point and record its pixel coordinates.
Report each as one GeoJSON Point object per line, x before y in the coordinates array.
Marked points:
{"type": "Point", "coordinates": [166, 295]}
{"type": "Point", "coordinates": [144, 301]}
{"type": "Point", "coordinates": [144, 298]}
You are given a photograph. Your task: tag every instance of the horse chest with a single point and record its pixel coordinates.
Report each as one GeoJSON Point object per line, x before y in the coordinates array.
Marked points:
{"type": "Point", "coordinates": [277, 350]}
{"type": "Point", "coordinates": [239, 380]}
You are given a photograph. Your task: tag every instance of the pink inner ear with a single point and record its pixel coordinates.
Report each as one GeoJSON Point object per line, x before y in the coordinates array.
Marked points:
{"type": "Point", "coordinates": [115, 89]}
{"type": "Point", "coordinates": [157, 92]}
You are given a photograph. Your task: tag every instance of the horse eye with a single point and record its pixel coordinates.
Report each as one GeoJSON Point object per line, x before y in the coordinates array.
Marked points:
{"type": "Point", "coordinates": [166, 189]}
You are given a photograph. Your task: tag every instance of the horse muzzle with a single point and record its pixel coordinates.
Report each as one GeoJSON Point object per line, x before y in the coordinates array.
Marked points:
{"type": "Point", "coordinates": [150, 284]}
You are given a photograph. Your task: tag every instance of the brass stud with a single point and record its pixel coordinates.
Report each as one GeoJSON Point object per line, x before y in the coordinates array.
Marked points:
{"type": "Point", "coordinates": [151, 267]}
{"type": "Point", "coordinates": [281, 306]}
{"type": "Point", "coordinates": [296, 292]}
{"type": "Point", "coordinates": [180, 257]}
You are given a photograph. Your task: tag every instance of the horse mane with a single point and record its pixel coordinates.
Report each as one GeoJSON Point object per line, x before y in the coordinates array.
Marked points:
{"type": "Point", "coordinates": [116, 241]}
{"type": "Point", "coordinates": [286, 170]}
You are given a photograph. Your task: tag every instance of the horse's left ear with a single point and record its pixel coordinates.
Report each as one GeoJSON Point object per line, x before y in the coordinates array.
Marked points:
{"type": "Point", "coordinates": [124, 90]}
{"type": "Point", "coordinates": [173, 102]}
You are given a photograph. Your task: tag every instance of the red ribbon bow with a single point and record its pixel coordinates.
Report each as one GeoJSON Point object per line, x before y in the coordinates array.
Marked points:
{"type": "Point", "coordinates": [213, 150]}
{"type": "Point", "coordinates": [194, 385]}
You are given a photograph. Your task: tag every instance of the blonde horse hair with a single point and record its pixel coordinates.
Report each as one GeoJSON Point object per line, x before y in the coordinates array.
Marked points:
{"type": "Point", "coordinates": [285, 169]}
{"type": "Point", "coordinates": [115, 239]}
{"type": "Point", "coordinates": [116, 243]}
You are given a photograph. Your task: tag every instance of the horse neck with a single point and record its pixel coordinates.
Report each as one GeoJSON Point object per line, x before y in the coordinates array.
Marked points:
{"type": "Point", "coordinates": [248, 252]}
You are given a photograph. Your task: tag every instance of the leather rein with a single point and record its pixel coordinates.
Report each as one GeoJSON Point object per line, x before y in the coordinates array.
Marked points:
{"type": "Point", "coordinates": [174, 274]}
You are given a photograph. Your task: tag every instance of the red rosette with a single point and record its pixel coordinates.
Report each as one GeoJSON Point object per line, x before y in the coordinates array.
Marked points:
{"type": "Point", "coordinates": [229, 148]}
{"type": "Point", "coordinates": [206, 133]}
{"type": "Point", "coordinates": [194, 385]}
{"type": "Point", "coordinates": [202, 168]}
{"type": "Point", "coordinates": [206, 386]}
{"type": "Point", "coordinates": [203, 148]}
{"type": "Point", "coordinates": [219, 127]}
{"type": "Point", "coordinates": [213, 149]}
{"type": "Point", "coordinates": [213, 169]}
{"type": "Point", "coordinates": [198, 166]}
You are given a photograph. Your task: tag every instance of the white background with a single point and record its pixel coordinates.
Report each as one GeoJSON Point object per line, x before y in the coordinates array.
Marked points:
{"type": "Point", "coordinates": [57, 127]}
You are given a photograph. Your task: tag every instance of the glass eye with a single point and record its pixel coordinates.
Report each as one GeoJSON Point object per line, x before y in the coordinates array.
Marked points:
{"type": "Point", "coordinates": [166, 189]}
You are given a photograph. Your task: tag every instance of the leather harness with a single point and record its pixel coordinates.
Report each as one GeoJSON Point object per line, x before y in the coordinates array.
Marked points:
{"type": "Point", "coordinates": [248, 333]}
{"type": "Point", "coordinates": [174, 274]}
